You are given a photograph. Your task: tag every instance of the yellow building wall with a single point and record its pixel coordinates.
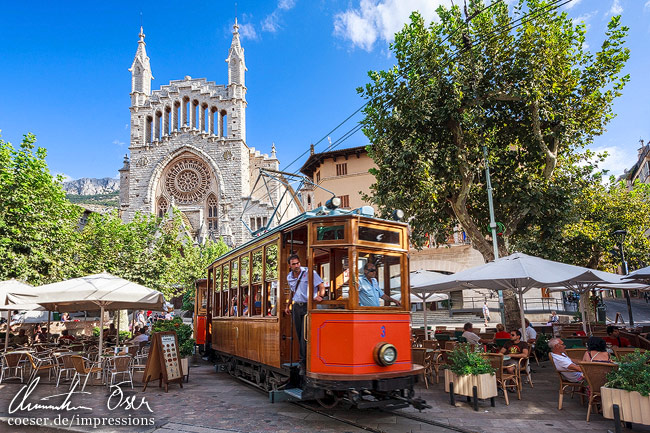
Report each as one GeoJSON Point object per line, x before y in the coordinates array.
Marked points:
{"type": "Point", "coordinates": [353, 184]}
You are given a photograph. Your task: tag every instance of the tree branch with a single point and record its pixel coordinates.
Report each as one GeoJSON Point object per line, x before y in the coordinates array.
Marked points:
{"type": "Point", "coordinates": [549, 154]}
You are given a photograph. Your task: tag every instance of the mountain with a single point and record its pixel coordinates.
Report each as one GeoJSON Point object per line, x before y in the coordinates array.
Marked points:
{"type": "Point", "coordinates": [90, 186]}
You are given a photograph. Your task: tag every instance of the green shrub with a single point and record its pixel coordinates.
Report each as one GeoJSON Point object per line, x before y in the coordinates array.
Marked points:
{"type": "Point", "coordinates": [463, 361]}
{"type": "Point", "coordinates": [183, 333]}
{"type": "Point", "coordinates": [541, 346]}
{"type": "Point", "coordinates": [632, 374]}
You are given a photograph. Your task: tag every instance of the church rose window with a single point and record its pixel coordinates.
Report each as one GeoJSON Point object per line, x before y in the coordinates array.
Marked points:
{"type": "Point", "coordinates": [188, 180]}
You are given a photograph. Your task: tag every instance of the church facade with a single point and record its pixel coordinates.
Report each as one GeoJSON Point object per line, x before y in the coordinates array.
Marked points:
{"type": "Point", "coordinates": [188, 150]}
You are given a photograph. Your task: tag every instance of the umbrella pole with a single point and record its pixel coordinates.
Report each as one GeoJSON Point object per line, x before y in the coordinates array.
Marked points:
{"type": "Point", "coordinates": [101, 329]}
{"type": "Point", "coordinates": [117, 338]}
{"type": "Point", "coordinates": [49, 315]}
{"type": "Point", "coordinates": [426, 328]}
{"type": "Point", "coordinates": [521, 314]}
{"type": "Point", "coordinates": [7, 331]}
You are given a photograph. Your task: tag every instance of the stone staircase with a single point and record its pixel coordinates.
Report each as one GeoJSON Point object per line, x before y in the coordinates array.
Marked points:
{"type": "Point", "coordinates": [442, 318]}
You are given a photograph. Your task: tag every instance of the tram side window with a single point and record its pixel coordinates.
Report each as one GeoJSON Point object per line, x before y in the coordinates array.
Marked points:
{"type": "Point", "coordinates": [225, 296]}
{"type": "Point", "coordinates": [217, 292]}
{"type": "Point", "coordinates": [256, 283]}
{"type": "Point", "coordinates": [234, 286]}
{"type": "Point", "coordinates": [245, 261]}
{"type": "Point", "coordinates": [379, 282]}
{"type": "Point", "coordinates": [271, 280]}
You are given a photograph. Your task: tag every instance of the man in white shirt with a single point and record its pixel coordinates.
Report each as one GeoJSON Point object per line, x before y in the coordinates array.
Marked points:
{"type": "Point", "coordinates": [140, 338]}
{"type": "Point", "coordinates": [564, 364]}
{"type": "Point", "coordinates": [531, 334]}
{"type": "Point", "coordinates": [470, 336]}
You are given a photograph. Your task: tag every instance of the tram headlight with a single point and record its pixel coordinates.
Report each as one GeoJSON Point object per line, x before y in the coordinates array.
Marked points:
{"type": "Point", "coordinates": [385, 354]}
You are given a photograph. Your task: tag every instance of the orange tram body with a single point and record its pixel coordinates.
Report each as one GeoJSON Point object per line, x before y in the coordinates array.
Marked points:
{"type": "Point", "coordinates": [355, 353]}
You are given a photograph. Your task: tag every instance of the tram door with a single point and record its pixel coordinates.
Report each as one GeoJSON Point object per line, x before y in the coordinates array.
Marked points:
{"type": "Point", "coordinates": [295, 242]}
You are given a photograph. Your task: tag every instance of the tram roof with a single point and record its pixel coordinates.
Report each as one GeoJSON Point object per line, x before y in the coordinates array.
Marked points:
{"type": "Point", "coordinates": [364, 211]}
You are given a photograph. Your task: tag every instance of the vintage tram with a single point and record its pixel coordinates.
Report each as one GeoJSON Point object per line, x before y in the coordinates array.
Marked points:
{"type": "Point", "coordinates": [358, 354]}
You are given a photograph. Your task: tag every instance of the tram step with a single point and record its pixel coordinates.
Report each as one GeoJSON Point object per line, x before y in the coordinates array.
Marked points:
{"type": "Point", "coordinates": [291, 365]}
{"type": "Point", "coordinates": [292, 394]}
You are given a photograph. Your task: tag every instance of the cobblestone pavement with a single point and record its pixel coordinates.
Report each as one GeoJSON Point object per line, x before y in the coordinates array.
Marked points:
{"type": "Point", "coordinates": [218, 403]}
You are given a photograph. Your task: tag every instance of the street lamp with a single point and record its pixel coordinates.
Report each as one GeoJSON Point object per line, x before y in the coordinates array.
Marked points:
{"type": "Point", "coordinates": [620, 237]}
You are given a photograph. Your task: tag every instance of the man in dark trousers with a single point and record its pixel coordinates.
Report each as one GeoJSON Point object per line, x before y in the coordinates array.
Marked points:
{"type": "Point", "coordinates": [298, 280]}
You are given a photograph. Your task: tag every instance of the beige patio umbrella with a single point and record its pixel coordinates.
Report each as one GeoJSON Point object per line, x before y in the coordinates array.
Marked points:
{"type": "Point", "coordinates": [19, 287]}
{"type": "Point", "coordinates": [103, 291]}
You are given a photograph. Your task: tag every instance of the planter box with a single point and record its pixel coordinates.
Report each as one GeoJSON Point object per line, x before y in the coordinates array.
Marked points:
{"type": "Point", "coordinates": [486, 384]}
{"type": "Point", "coordinates": [633, 406]}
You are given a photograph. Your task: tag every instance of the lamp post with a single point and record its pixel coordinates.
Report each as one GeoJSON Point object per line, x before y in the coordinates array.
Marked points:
{"type": "Point", "coordinates": [620, 237]}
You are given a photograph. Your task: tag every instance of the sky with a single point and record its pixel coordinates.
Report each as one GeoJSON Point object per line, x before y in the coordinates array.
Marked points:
{"type": "Point", "coordinates": [64, 70]}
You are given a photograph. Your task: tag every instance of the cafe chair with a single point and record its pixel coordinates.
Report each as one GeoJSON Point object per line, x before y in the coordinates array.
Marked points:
{"type": "Point", "coordinates": [421, 357]}
{"type": "Point", "coordinates": [65, 367]}
{"type": "Point", "coordinates": [84, 368]}
{"type": "Point", "coordinates": [523, 367]}
{"type": "Point", "coordinates": [566, 386]}
{"type": "Point", "coordinates": [12, 364]}
{"type": "Point", "coordinates": [119, 365]}
{"type": "Point", "coordinates": [576, 354]}
{"type": "Point", "coordinates": [504, 379]}
{"type": "Point", "coordinates": [595, 374]}
{"type": "Point", "coordinates": [40, 364]}
{"type": "Point", "coordinates": [622, 351]}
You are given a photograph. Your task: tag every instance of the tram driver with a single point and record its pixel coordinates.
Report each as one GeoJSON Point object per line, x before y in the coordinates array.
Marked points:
{"type": "Point", "coordinates": [369, 291]}
{"type": "Point", "coordinates": [298, 283]}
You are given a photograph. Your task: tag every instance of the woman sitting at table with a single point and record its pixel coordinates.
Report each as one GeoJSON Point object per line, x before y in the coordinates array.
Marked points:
{"type": "Point", "coordinates": [596, 351]}
{"type": "Point", "coordinates": [501, 332]}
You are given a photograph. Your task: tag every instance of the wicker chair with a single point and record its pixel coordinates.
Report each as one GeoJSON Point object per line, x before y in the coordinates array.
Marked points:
{"type": "Point", "coordinates": [83, 368]}
{"type": "Point", "coordinates": [594, 373]}
{"type": "Point", "coordinates": [621, 351]}
{"type": "Point", "coordinates": [40, 364]}
{"type": "Point", "coordinates": [567, 385]}
{"type": "Point", "coordinates": [439, 359]}
{"type": "Point", "coordinates": [503, 377]}
{"type": "Point", "coordinates": [524, 368]}
{"type": "Point", "coordinates": [65, 366]}
{"type": "Point", "coordinates": [431, 344]}
{"type": "Point", "coordinates": [576, 354]}
{"type": "Point", "coordinates": [119, 365]}
{"type": "Point", "coordinates": [12, 362]}
{"type": "Point", "coordinates": [421, 357]}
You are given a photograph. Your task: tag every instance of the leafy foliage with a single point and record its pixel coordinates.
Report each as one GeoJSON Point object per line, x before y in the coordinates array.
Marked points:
{"type": "Point", "coordinates": [632, 374]}
{"type": "Point", "coordinates": [38, 226]}
{"type": "Point", "coordinates": [464, 361]}
{"type": "Point", "coordinates": [541, 346]}
{"type": "Point", "coordinates": [183, 332]}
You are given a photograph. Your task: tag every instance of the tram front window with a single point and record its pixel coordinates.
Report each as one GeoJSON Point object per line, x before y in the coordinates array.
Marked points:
{"type": "Point", "coordinates": [379, 282]}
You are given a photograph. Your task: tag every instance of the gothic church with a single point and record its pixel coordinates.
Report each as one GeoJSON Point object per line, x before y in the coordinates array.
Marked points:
{"type": "Point", "coordinates": [188, 149]}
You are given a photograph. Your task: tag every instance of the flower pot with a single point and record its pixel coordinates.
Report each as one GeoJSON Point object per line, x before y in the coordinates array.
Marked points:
{"type": "Point", "coordinates": [633, 406]}
{"type": "Point", "coordinates": [486, 384]}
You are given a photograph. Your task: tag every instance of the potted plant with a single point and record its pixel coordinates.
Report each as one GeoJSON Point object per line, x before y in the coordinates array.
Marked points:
{"type": "Point", "coordinates": [184, 336]}
{"type": "Point", "coordinates": [628, 386]}
{"type": "Point", "coordinates": [468, 369]}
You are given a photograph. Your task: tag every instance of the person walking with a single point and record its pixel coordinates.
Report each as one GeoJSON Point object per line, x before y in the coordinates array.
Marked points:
{"type": "Point", "coordinates": [486, 313]}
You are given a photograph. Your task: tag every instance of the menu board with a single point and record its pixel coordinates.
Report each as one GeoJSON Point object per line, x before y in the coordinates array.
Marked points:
{"type": "Point", "coordinates": [163, 362]}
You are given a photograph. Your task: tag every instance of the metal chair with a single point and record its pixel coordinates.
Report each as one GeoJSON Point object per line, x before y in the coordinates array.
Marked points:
{"type": "Point", "coordinates": [40, 364]}
{"type": "Point", "coordinates": [65, 366]}
{"type": "Point", "coordinates": [83, 368]}
{"type": "Point", "coordinates": [119, 365]}
{"type": "Point", "coordinates": [12, 362]}
{"type": "Point", "coordinates": [595, 374]}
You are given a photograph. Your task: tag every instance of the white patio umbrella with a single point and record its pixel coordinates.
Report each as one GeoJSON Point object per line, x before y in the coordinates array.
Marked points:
{"type": "Point", "coordinates": [520, 272]}
{"type": "Point", "coordinates": [103, 291]}
{"type": "Point", "coordinates": [639, 276]}
{"type": "Point", "coordinates": [14, 286]}
{"type": "Point", "coordinates": [420, 282]}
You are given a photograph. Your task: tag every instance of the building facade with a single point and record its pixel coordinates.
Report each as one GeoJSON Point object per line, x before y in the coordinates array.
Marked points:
{"type": "Point", "coordinates": [188, 150]}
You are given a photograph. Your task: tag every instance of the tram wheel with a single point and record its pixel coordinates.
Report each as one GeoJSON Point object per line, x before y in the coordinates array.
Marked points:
{"type": "Point", "coordinates": [329, 401]}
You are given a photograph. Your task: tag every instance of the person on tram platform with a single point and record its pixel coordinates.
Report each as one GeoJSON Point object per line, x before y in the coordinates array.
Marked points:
{"type": "Point", "coordinates": [298, 281]}
{"type": "Point", "coordinates": [369, 291]}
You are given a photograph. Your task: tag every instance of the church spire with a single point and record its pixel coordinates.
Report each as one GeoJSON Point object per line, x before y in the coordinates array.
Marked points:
{"type": "Point", "coordinates": [140, 73]}
{"type": "Point", "coordinates": [235, 60]}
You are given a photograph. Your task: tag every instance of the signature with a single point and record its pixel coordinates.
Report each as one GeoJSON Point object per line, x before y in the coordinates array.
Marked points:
{"type": "Point", "coordinates": [128, 403]}
{"type": "Point", "coordinates": [20, 403]}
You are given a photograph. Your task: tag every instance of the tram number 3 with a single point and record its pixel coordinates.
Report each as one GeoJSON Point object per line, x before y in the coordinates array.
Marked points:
{"type": "Point", "coordinates": [383, 332]}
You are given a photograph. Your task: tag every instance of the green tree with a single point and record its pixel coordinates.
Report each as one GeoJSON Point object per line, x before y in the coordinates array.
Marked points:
{"type": "Point", "coordinates": [529, 91]}
{"type": "Point", "coordinates": [584, 237]}
{"type": "Point", "coordinates": [38, 226]}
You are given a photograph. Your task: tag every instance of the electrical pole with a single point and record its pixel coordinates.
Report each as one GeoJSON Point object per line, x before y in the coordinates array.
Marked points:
{"type": "Point", "coordinates": [493, 227]}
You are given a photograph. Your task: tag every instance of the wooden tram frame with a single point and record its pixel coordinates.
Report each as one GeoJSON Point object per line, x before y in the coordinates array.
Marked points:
{"type": "Point", "coordinates": [258, 345]}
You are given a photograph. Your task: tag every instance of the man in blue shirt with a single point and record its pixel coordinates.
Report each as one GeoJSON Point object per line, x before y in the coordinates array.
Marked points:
{"type": "Point", "coordinates": [369, 291]}
{"type": "Point", "coordinates": [298, 280]}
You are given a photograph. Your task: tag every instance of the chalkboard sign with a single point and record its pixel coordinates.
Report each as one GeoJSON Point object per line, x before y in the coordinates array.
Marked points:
{"type": "Point", "coordinates": [164, 361]}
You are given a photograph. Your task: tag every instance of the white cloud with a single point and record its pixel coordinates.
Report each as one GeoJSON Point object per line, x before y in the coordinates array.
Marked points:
{"type": "Point", "coordinates": [286, 4]}
{"type": "Point", "coordinates": [572, 4]}
{"type": "Point", "coordinates": [66, 178]}
{"type": "Point", "coordinates": [618, 159]}
{"type": "Point", "coordinates": [616, 8]}
{"type": "Point", "coordinates": [585, 18]}
{"type": "Point", "coordinates": [270, 23]}
{"type": "Point", "coordinates": [381, 19]}
{"type": "Point", "coordinates": [646, 5]}
{"type": "Point", "coordinates": [247, 31]}
{"type": "Point", "coordinates": [118, 142]}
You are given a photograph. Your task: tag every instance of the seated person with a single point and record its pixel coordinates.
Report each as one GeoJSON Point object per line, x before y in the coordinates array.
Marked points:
{"type": "Point", "coordinates": [369, 291]}
{"type": "Point", "coordinates": [614, 337]}
{"type": "Point", "coordinates": [516, 349]}
{"type": "Point", "coordinates": [596, 351]}
{"type": "Point", "coordinates": [553, 319]}
{"type": "Point", "coordinates": [21, 339]}
{"type": "Point", "coordinates": [140, 338]}
{"type": "Point", "coordinates": [65, 336]}
{"type": "Point", "coordinates": [110, 332]}
{"type": "Point", "coordinates": [39, 335]}
{"type": "Point", "coordinates": [564, 364]}
{"type": "Point", "coordinates": [65, 317]}
{"type": "Point", "coordinates": [501, 332]}
{"type": "Point", "coordinates": [470, 336]}
{"type": "Point", "coordinates": [531, 334]}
